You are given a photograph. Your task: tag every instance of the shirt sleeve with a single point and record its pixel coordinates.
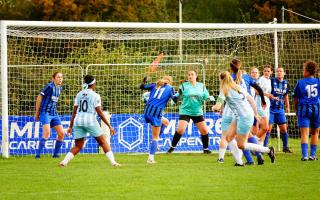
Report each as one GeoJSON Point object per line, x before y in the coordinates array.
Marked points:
{"type": "Point", "coordinates": [97, 101]}
{"type": "Point", "coordinates": [288, 88]}
{"type": "Point", "coordinates": [221, 96]}
{"type": "Point", "coordinates": [205, 93]}
{"type": "Point", "coordinates": [149, 86]}
{"type": "Point", "coordinates": [296, 92]}
{"type": "Point", "coordinates": [45, 91]}
{"type": "Point", "coordinates": [76, 100]}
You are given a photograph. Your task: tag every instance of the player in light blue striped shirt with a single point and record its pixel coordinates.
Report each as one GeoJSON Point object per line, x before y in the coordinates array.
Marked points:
{"type": "Point", "coordinates": [240, 102]}
{"type": "Point", "coordinates": [86, 106]}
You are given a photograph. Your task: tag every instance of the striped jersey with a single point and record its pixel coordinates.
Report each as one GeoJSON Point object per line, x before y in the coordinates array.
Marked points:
{"type": "Point", "coordinates": [50, 95]}
{"type": "Point", "coordinates": [278, 89]}
{"type": "Point", "coordinates": [158, 99]}
{"type": "Point", "coordinates": [87, 100]}
{"type": "Point", "coordinates": [192, 98]}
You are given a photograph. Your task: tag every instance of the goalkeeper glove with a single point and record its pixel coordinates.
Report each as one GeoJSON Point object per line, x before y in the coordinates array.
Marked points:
{"type": "Point", "coordinates": [211, 98]}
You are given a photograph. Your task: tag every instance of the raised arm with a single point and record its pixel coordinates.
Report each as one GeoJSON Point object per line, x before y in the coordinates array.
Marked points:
{"type": "Point", "coordinates": [74, 112]}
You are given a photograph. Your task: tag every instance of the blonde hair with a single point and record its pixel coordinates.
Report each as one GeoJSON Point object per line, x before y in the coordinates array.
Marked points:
{"type": "Point", "coordinates": [253, 68]}
{"type": "Point", "coordinates": [227, 83]}
{"type": "Point", "coordinates": [235, 68]}
{"type": "Point", "coordinates": [164, 80]}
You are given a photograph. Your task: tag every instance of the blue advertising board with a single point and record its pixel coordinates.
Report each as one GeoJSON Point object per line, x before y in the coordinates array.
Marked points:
{"type": "Point", "coordinates": [133, 135]}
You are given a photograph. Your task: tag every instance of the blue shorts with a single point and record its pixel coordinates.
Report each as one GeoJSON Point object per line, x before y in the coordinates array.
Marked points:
{"type": "Point", "coordinates": [154, 121]}
{"type": "Point", "coordinates": [82, 131]}
{"type": "Point", "coordinates": [225, 122]}
{"type": "Point", "coordinates": [277, 117]}
{"type": "Point", "coordinates": [53, 120]}
{"type": "Point", "coordinates": [309, 118]}
{"type": "Point", "coordinates": [244, 124]}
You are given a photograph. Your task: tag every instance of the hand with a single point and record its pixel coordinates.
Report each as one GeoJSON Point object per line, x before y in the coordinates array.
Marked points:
{"type": "Point", "coordinates": [112, 131]}
{"type": "Point", "coordinates": [258, 118]}
{"type": "Point", "coordinates": [145, 79]}
{"type": "Point", "coordinates": [69, 131]}
{"type": "Point", "coordinates": [36, 116]}
{"type": "Point", "coordinates": [216, 108]}
{"type": "Point", "coordinates": [274, 98]}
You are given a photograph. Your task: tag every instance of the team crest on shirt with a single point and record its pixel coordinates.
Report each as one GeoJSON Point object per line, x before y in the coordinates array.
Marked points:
{"type": "Point", "coordinates": [54, 98]}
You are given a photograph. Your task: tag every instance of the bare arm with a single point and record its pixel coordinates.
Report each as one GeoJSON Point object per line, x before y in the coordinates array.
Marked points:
{"type": "Point", "coordinates": [74, 112]}
{"type": "Point", "coordinates": [104, 119]}
{"type": "Point", "coordinates": [286, 102]}
{"type": "Point", "coordinates": [295, 104]}
{"type": "Point", "coordinates": [253, 105]}
{"type": "Point", "coordinates": [38, 103]}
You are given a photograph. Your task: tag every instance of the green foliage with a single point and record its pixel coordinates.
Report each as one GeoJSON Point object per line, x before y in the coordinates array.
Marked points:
{"type": "Point", "coordinates": [178, 176]}
{"type": "Point", "coordinates": [200, 11]}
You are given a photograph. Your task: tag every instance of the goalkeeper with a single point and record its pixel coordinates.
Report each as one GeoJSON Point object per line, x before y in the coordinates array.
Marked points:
{"type": "Point", "coordinates": [193, 93]}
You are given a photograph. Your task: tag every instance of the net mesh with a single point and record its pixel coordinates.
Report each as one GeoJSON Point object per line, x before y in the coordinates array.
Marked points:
{"type": "Point", "coordinates": [119, 59]}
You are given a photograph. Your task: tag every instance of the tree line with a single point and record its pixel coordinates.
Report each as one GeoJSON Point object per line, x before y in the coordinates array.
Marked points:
{"type": "Point", "coordinates": [194, 11]}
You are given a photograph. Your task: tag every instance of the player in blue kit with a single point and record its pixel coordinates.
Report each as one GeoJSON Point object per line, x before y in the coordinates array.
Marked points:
{"type": "Point", "coordinates": [278, 100]}
{"type": "Point", "coordinates": [306, 104]}
{"type": "Point", "coordinates": [160, 93]}
{"type": "Point", "coordinates": [87, 105]}
{"type": "Point", "coordinates": [46, 112]}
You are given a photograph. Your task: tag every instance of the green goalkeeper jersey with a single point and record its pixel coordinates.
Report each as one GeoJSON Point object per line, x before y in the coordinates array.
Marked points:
{"type": "Point", "coordinates": [192, 98]}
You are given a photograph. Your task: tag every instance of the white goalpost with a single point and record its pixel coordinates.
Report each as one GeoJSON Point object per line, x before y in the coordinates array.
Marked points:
{"type": "Point", "coordinates": [119, 55]}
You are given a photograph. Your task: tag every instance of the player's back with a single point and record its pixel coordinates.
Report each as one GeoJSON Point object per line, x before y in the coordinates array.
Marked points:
{"type": "Point", "coordinates": [158, 99]}
{"type": "Point", "coordinates": [87, 101]}
{"type": "Point", "coordinates": [160, 96]}
{"type": "Point", "coordinates": [238, 103]}
{"type": "Point", "coordinates": [307, 91]}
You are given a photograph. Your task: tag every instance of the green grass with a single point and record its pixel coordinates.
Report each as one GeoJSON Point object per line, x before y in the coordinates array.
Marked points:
{"type": "Point", "coordinates": [177, 176]}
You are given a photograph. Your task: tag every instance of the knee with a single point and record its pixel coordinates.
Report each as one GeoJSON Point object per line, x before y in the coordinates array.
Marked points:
{"type": "Point", "coordinates": [265, 128]}
{"type": "Point", "coordinates": [240, 145]}
{"type": "Point", "coordinates": [180, 131]}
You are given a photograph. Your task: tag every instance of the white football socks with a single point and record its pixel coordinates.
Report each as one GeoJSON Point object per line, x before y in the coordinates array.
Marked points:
{"type": "Point", "coordinates": [67, 159]}
{"type": "Point", "coordinates": [256, 147]}
{"type": "Point", "coordinates": [236, 152]}
{"type": "Point", "coordinates": [110, 156]}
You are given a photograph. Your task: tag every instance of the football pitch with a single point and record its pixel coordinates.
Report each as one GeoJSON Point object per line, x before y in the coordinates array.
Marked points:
{"type": "Point", "coordinates": [176, 176]}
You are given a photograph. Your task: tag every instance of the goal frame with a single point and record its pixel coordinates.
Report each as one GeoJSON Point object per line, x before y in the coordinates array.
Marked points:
{"type": "Point", "coordinates": [177, 26]}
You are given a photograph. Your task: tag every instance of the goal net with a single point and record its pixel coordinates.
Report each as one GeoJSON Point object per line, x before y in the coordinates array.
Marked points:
{"type": "Point", "coordinates": [119, 57]}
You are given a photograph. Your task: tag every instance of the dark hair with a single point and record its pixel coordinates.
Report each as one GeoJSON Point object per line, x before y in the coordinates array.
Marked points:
{"type": "Point", "coordinates": [55, 74]}
{"type": "Point", "coordinates": [235, 69]}
{"type": "Point", "coordinates": [233, 65]}
{"type": "Point", "coordinates": [267, 66]}
{"type": "Point", "coordinates": [311, 67]}
{"type": "Point", "coordinates": [88, 79]}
